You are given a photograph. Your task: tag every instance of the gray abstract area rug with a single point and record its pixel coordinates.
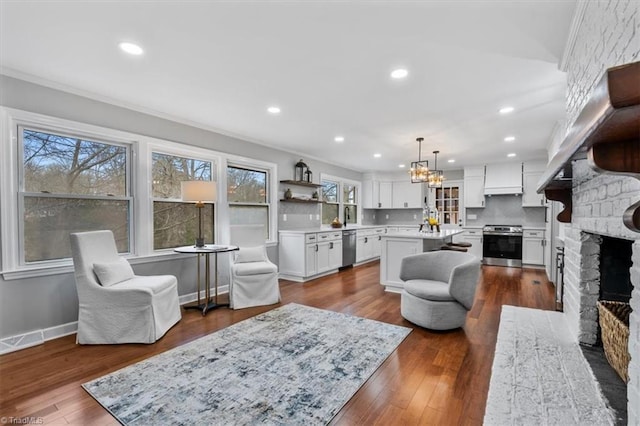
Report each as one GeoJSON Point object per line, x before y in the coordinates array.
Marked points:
{"type": "Point", "coordinates": [292, 365]}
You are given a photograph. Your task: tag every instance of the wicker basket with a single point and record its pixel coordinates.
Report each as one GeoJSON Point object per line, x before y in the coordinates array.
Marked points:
{"type": "Point", "coordinates": [614, 324]}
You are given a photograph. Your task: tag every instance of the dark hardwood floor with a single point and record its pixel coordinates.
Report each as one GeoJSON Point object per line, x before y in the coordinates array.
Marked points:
{"type": "Point", "coordinates": [435, 378]}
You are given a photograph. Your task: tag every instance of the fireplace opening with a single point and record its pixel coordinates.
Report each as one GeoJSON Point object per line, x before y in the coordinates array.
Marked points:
{"type": "Point", "coordinates": [615, 265]}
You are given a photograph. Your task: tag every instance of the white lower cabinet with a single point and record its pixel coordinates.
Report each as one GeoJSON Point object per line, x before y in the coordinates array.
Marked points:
{"type": "Point", "coordinates": [533, 243]}
{"type": "Point", "coordinates": [474, 237]}
{"type": "Point", "coordinates": [368, 244]}
{"type": "Point", "coordinates": [306, 255]}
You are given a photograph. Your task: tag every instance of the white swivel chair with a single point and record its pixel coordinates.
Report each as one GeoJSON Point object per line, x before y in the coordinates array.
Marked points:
{"type": "Point", "coordinates": [254, 279]}
{"type": "Point", "coordinates": [117, 306]}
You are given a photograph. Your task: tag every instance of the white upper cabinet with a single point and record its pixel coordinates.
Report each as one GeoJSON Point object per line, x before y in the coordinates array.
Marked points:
{"type": "Point", "coordinates": [370, 194]}
{"type": "Point", "coordinates": [385, 201]}
{"type": "Point", "coordinates": [503, 178]}
{"type": "Point", "coordinates": [474, 187]}
{"type": "Point", "coordinates": [531, 173]}
{"type": "Point", "coordinates": [407, 195]}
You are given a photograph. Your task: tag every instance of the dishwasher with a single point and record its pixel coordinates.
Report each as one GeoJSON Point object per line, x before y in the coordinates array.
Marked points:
{"type": "Point", "coordinates": [348, 248]}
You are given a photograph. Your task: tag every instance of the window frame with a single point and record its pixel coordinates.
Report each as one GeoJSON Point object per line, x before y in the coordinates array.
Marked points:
{"type": "Point", "coordinates": [139, 189]}
{"type": "Point", "coordinates": [271, 170]}
{"type": "Point", "coordinates": [340, 195]}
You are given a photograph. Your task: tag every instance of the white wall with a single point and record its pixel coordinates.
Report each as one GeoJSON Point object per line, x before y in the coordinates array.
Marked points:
{"type": "Point", "coordinates": [34, 304]}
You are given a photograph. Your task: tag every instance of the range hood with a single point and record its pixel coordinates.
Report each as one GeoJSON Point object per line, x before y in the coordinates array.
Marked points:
{"type": "Point", "coordinates": [503, 179]}
{"type": "Point", "coordinates": [607, 134]}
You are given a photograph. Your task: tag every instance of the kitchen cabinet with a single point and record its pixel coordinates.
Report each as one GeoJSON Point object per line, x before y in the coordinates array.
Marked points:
{"type": "Point", "coordinates": [385, 195]}
{"type": "Point", "coordinates": [474, 237]}
{"type": "Point", "coordinates": [307, 255]}
{"type": "Point", "coordinates": [531, 173]}
{"type": "Point", "coordinates": [474, 187]}
{"type": "Point", "coordinates": [533, 246]}
{"type": "Point", "coordinates": [368, 243]}
{"type": "Point", "coordinates": [370, 194]}
{"type": "Point", "coordinates": [406, 195]}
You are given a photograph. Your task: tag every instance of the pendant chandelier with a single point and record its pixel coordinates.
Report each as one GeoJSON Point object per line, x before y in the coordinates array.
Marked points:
{"type": "Point", "coordinates": [419, 169]}
{"type": "Point", "coordinates": [435, 176]}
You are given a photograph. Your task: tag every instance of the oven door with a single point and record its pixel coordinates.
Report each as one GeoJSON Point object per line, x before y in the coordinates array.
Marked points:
{"type": "Point", "coordinates": [502, 249]}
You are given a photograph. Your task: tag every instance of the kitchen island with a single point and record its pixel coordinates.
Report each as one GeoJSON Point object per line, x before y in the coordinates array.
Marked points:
{"type": "Point", "coordinates": [396, 245]}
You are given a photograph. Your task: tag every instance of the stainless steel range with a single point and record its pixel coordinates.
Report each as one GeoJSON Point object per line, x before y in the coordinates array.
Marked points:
{"type": "Point", "coordinates": [502, 245]}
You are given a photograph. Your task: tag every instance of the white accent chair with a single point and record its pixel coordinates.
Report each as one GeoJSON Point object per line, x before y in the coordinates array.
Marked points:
{"type": "Point", "coordinates": [117, 306]}
{"type": "Point", "coordinates": [439, 288]}
{"type": "Point", "coordinates": [254, 279]}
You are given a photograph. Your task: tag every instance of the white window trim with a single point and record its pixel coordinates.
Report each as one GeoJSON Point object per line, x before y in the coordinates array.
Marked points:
{"type": "Point", "coordinates": [272, 195]}
{"type": "Point", "coordinates": [341, 182]}
{"type": "Point", "coordinates": [141, 242]}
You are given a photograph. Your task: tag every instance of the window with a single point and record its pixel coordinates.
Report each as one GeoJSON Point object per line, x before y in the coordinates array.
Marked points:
{"type": "Point", "coordinates": [175, 223]}
{"type": "Point", "coordinates": [331, 206]}
{"type": "Point", "coordinates": [71, 184]}
{"type": "Point", "coordinates": [350, 200]}
{"type": "Point", "coordinates": [448, 204]}
{"type": "Point", "coordinates": [248, 197]}
{"type": "Point", "coordinates": [340, 199]}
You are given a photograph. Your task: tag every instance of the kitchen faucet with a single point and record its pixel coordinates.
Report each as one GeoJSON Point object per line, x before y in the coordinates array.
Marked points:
{"type": "Point", "coordinates": [346, 215]}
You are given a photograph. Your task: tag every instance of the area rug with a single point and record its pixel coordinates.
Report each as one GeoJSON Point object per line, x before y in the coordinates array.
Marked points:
{"type": "Point", "coordinates": [291, 365]}
{"type": "Point", "coordinates": [540, 376]}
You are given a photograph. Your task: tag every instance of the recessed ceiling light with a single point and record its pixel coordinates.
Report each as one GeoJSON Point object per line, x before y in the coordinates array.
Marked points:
{"type": "Point", "coordinates": [512, 154]}
{"type": "Point", "coordinates": [506, 110]}
{"type": "Point", "coordinates": [377, 155]}
{"type": "Point", "coordinates": [339, 139]}
{"type": "Point", "coordinates": [399, 73]}
{"type": "Point", "coordinates": [451, 161]}
{"type": "Point", "coordinates": [510, 139]}
{"type": "Point", "coordinates": [131, 48]}
{"type": "Point", "coordinates": [401, 166]}
{"type": "Point", "coordinates": [273, 110]}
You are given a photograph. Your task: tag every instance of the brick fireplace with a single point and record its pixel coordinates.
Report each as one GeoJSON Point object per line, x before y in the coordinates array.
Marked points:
{"type": "Point", "coordinates": [603, 35]}
{"type": "Point", "coordinates": [599, 202]}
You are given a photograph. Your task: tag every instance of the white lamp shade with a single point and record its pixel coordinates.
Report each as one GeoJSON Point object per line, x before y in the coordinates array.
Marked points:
{"type": "Point", "coordinates": [198, 191]}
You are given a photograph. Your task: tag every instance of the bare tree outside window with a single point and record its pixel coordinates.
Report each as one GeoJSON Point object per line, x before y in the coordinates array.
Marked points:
{"type": "Point", "coordinates": [176, 223]}
{"type": "Point", "coordinates": [71, 184]}
{"type": "Point", "coordinates": [330, 207]}
{"type": "Point", "coordinates": [247, 194]}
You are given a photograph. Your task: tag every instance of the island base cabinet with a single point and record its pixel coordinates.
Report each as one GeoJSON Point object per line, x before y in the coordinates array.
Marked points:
{"type": "Point", "coordinates": [392, 252]}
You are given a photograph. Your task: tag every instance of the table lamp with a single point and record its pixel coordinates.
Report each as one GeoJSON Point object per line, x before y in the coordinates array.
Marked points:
{"type": "Point", "coordinates": [200, 192]}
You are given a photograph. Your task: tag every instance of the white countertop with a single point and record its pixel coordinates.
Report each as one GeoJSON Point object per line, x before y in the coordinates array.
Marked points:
{"type": "Point", "coordinates": [329, 229]}
{"type": "Point", "coordinates": [443, 234]}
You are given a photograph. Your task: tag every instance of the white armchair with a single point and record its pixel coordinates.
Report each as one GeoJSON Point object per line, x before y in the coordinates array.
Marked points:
{"type": "Point", "coordinates": [117, 306]}
{"type": "Point", "coordinates": [254, 279]}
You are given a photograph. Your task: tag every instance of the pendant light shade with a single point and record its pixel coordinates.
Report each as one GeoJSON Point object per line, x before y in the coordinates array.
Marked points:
{"type": "Point", "coordinates": [419, 169]}
{"type": "Point", "coordinates": [436, 177]}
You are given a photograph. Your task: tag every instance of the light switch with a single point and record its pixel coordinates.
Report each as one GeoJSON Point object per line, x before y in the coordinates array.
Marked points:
{"type": "Point", "coordinates": [310, 217]}
{"type": "Point", "coordinates": [472, 216]}
{"type": "Point", "coordinates": [415, 216]}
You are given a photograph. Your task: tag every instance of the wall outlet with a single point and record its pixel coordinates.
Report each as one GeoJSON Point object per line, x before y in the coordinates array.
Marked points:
{"type": "Point", "coordinates": [415, 216]}
{"type": "Point", "coordinates": [374, 216]}
{"type": "Point", "coordinates": [284, 217]}
{"type": "Point", "coordinates": [386, 216]}
{"type": "Point", "coordinates": [310, 217]}
{"type": "Point", "coordinates": [317, 217]}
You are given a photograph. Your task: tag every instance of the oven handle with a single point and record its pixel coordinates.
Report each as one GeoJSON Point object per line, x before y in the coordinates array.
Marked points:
{"type": "Point", "coordinates": [504, 234]}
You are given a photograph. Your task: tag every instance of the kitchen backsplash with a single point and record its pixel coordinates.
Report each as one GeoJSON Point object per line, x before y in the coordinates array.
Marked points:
{"type": "Point", "coordinates": [506, 210]}
{"type": "Point", "coordinates": [298, 215]}
{"type": "Point", "coordinates": [499, 210]}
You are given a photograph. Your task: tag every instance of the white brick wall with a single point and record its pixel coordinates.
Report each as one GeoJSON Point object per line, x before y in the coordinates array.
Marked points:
{"type": "Point", "coordinates": [607, 36]}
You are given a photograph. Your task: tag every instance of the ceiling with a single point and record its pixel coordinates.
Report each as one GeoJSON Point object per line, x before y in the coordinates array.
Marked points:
{"type": "Point", "coordinates": [220, 64]}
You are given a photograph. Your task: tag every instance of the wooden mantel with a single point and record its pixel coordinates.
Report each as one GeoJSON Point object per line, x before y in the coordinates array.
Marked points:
{"type": "Point", "coordinates": [607, 133]}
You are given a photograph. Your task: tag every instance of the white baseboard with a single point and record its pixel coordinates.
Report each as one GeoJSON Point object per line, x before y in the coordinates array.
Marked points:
{"type": "Point", "coordinates": [33, 338]}
{"type": "Point", "coordinates": [38, 337]}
